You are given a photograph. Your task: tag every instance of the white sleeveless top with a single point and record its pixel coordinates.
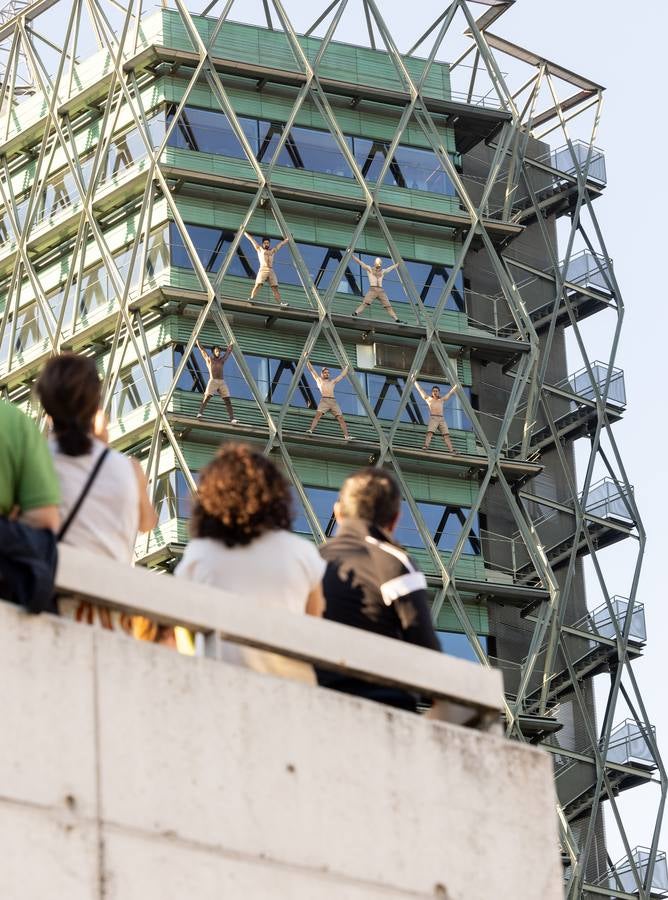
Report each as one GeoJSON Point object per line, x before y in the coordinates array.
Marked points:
{"type": "Point", "coordinates": [108, 519]}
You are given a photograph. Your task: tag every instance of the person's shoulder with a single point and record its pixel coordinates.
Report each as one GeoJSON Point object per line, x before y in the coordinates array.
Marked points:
{"type": "Point", "coordinates": [21, 425]}
{"type": "Point", "coordinates": [114, 457]}
{"type": "Point", "coordinates": [296, 543]}
{"type": "Point", "coordinates": [197, 550]}
{"type": "Point", "coordinates": [391, 556]}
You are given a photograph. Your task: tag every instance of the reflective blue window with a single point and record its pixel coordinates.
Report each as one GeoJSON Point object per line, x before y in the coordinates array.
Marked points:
{"type": "Point", "coordinates": [209, 131]}
{"type": "Point", "coordinates": [421, 170]}
{"type": "Point", "coordinates": [458, 645]}
{"type": "Point", "coordinates": [269, 136]}
{"type": "Point", "coordinates": [370, 156]}
{"type": "Point", "coordinates": [319, 152]}
{"type": "Point", "coordinates": [322, 500]}
{"type": "Point", "coordinates": [312, 149]}
{"type": "Point", "coordinates": [444, 524]}
{"type": "Point", "coordinates": [212, 245]}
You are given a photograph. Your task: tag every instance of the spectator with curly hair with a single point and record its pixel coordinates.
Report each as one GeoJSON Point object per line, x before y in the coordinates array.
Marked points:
{"type": "Point", "coordinates": [241, 539]}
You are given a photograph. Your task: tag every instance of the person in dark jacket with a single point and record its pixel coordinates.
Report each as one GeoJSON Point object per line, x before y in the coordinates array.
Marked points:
{"type": "Point", "coordinates": [371, 582]}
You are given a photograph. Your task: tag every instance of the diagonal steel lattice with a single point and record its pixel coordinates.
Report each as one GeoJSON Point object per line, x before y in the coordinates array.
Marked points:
{"type": "Point", "coordinates": [520, 187]}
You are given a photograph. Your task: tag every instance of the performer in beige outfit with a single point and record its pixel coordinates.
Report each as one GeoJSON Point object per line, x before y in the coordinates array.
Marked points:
{"type": "Point", "coordinates": [216, 383]}
{"type": "Point", "coordinates": [265, 256]}
{"type": "Point", "coordinates": [327, 403]}
{"type": "Point", "coordinates": [436, 420]}
{"type": "Point", "coordinates": [376, 273]}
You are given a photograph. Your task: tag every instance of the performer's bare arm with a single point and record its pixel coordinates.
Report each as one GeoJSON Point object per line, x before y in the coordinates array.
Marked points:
{"type": "Point", "coordinates": [359, 262]}
{"type": "Point", "coordinates": [313, 372]}
{"type": "Point", "coordinates": [205, 355]}
{"type": "Point", "coordinates": [452, 391]}
{"type": "Point", "coordinates": [420, 391]}
{"type": "Point", "coordinates": [252, 240]}
{"type": "Point", "coordinates": [226, 354]}
{"type": "Point", "coordinates": [281, 245]}
{"type": "Point", "coordinates": [341, 376]}
{"type": "Point", "coordinates": [390, 268]}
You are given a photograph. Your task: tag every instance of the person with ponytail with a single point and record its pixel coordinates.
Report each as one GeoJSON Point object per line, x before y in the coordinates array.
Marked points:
{"type": "Point", "coordinates": [104, 502]}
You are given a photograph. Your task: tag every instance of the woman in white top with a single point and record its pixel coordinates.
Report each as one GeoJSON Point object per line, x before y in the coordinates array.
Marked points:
{"type": "Point", "coordinates": [242, 542]}
{"type": "Point", "coordinates": [116, 505]}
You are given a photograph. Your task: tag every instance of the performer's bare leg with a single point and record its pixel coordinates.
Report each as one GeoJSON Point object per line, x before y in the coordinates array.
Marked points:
{"type": "Point", "coordinates": [277, 294]}
{"type": "Point", "coordinates": [202, 407]}
{"type": "Point", "coordinates": [344, 427]}
{"type": "Point", "coordinates": [255, 291]}
{"type": "Point", "coordinates": [363, 305]}
{"type": "Point", "coordinates": [427, 440]}
{"type": "Point", "coordinates": [446, 438]}
{"type": "Point", "coordinates": [315, 421]}
{"type": "Point", "coordinates": [369, 297]}
{"type": "Point", "coordinates": [230, 409]}
{"type": "Point", "coordinates": [388, 306]}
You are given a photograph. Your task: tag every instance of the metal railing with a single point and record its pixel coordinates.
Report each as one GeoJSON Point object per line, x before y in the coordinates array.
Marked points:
{"type": "Point", "coordinates": [606, 500]}
{"type": "Point", "coordinates": [587, 269]}
{"type": "Point", "coordinates": [621, 877]}
{"type": "Point", "coordinates": [628, 746]}
{"type": "Point", "coordinates": [601, 623]}
{"type": "Point", "coordinates": [582, 383]}
{"type": "Point", "coordinates": [570, 160]}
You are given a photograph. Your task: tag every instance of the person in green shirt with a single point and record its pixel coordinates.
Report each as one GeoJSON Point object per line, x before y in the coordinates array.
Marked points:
{"type": "Point", "coordinates": [29, 486]}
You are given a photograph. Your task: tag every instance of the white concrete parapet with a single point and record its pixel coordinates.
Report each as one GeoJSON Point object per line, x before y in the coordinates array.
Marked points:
{"type": "Point", "coordinates": [128, 772]}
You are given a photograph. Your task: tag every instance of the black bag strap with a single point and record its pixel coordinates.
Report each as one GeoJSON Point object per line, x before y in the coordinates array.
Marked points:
{"type": "Point", "coordinates": [82, 496]}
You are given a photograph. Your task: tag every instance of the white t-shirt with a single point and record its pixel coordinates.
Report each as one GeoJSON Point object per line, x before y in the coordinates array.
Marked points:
{"type": "Point", "coordinates": [277, 569]}
{"type": "Point", "coordinates": [108, 519]}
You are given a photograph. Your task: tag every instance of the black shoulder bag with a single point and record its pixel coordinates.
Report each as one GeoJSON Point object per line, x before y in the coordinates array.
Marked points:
{"type": "Point", "coordinates": [29, 556]}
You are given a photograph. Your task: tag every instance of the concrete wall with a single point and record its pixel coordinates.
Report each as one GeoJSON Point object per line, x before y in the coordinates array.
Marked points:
{"type": "Point", "coordinates": [129, 772]}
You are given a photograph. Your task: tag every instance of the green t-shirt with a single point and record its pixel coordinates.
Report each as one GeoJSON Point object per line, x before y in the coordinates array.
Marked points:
{"type": "Point", "coordinates": [27, 476]}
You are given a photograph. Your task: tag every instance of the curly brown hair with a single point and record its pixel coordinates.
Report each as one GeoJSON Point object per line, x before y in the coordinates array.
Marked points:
{"type": "Point", "coordinates": [241, 495]}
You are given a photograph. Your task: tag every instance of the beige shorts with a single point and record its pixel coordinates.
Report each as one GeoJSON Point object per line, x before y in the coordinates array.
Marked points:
{"type": "Point", "coordinates": [376, 293]}
{"type": "Point", "coordinates": [329, 404]}
{"type": "Point", "coordinates": [217, 386]}
{"type": "Point", "coordinates": [266, 275]}
{"type": "Point", "coordinates": [436, 422]}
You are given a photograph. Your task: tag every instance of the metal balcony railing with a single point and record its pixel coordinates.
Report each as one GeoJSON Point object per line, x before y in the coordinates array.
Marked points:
{"type": "Point", "coordinates": [582, 383]}
{"type": "Point", "coordinates": [629, 746]}
{"type": "Point", "coordinates": [601, 623]}
{"type": "Point", "coordinates": [570, 160]}
{"type": "Point", "coordinates": [621, 877]}
{"type": "Point", "coordinates": [589, 270]}
{"type": "Point", "coordinates": [607, 500]}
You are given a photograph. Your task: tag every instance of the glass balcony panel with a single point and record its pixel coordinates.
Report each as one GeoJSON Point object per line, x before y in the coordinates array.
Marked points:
{"type": "Point", "coordinates": [581, 383]}
{"type": "Point", "coordinates": [589, 271]}
{"type": "Point", "coordinates": [628, 746]}
{"type": "Point", "coordinates": [606, 500]}
{"type": "Point", "coordinates": [563, 160]}
{"type": "Point", "coordinates": [601, 622]}
{"type": "Point", "coordinates": [622, 877]}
